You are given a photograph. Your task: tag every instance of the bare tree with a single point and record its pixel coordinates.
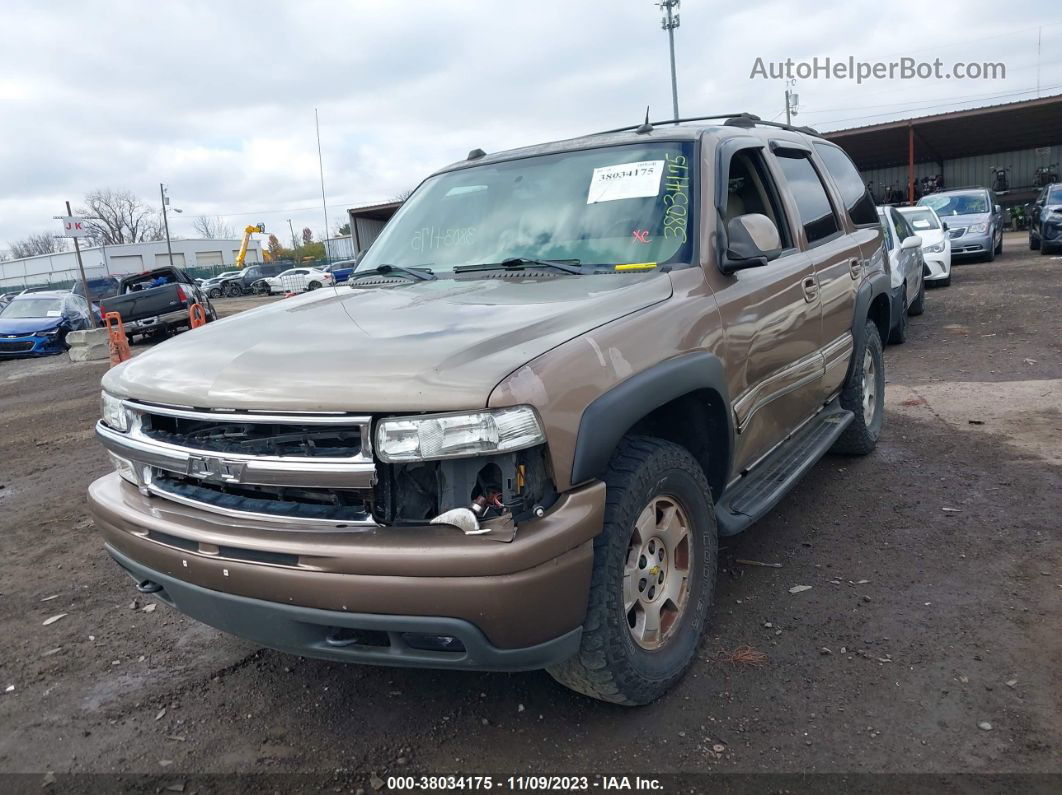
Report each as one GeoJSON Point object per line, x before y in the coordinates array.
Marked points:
{"type": "Point", "coordinates": [37, 244]}
{"type": "Point", "coordinates": [402, 195]}
{"type": "Point", "coordinates": [213, 227]}
{"type": "Point", "coordinates": [118, 216]}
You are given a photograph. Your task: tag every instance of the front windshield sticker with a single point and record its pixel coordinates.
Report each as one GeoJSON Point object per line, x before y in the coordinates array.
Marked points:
{"type": "Point", "coordinates": [429, 237]}
{"type": "Point", "coordinates": [625, 181]}
{"type": "Point", "coordinates": [676, 196]}
{"type": "Point", "coordinates": [52, 313]}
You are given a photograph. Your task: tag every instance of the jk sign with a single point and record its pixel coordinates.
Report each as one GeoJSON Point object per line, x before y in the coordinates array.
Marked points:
{"type": "Point", "coordinates": [73, 227]}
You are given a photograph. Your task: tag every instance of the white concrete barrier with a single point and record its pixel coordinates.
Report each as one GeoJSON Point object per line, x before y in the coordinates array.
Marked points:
{"type": "Point", "coordinates": [89, 345]}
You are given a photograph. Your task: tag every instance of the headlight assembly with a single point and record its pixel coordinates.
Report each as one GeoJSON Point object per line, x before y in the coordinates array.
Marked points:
{"type": "Point", "coordinates": [935, 248]}
{"type": "Point", "coordinates": [458, 435]}
{"type": "Point", "coordinates": [114, 414]}
{"type": "Point", "coordinates": [977, 229]}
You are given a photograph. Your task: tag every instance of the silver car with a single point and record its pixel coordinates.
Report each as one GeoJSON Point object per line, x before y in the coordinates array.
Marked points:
{"type": "Point", "coordinates": [908, 268]}
{"type": "Point", "coordinates": [974, 219]}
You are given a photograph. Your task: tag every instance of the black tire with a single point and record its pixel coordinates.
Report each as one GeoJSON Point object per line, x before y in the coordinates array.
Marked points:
{"type": "Point", "coordinates": [260, 287]}
{"type": "Point", "coordinates": [314, 285]}
{"type": "Point", "coordinates": [999, 248]}
{"type": "Point", "coordinates": [898, 333]}
{"type": "Point", "coordinates": [610, 665]}
{"type": "Point", "coordinates": [233, 290]}
{"type": "Point", "coordinates": [919, 305]}
{"type": "Point", "coordinates": [860, 437]}
{"type": "Point", "coordinates": [946, 282]}
{"type": "Point", "coordinates": [991, 255]}
{"type": "Point", "coordinates": [1034, 243]}
{"type": "Point", "coordinates": [214, 292]}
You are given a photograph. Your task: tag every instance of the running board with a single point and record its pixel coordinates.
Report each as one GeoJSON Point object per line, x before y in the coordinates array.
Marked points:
{"type": "Point", "coordinates": [756, 493]}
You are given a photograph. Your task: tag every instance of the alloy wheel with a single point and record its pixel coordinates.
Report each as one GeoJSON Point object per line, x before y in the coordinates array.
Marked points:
{"type": "Point", "coordinates": [656, 578]}
{"type": "Point", "coordinates": [870, 388]}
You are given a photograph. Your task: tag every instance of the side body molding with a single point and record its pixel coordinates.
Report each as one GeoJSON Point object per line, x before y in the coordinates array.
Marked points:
{"type": "Point", "coordinates": [610, 416]}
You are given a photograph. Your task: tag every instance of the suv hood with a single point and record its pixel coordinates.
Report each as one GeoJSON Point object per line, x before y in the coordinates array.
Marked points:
{"type": "Point", "coordinates": [427, 346]}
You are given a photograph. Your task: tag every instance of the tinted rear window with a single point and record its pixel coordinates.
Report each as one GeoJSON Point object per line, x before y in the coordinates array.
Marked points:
{"type": "Point", "coordinates": [857, 199]}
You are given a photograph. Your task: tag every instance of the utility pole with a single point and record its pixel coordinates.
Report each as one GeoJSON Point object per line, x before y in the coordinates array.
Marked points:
{"type": "Point", "coordinates": [791, 102]}
{"type": "Point", "coordinates": [166, 222]}
{"type": "Point", "coordinates": [320, 164]}
{"type": "Point", "coordinates": [669, 22]}
{"type": "Point", "coordinates": [81, 270]}
{"type": "Point", "coordinates": [294, 242]}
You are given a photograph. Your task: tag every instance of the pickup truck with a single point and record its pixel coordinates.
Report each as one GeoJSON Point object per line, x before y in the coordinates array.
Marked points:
{"type": "Point", "coordinates": [558, 375]}
{"type": "Point", "coordinates": [156, 302]}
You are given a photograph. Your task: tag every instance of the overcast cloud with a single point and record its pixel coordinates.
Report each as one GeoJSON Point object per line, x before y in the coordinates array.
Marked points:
{"type": "Point", "coordinates": [216, 99]}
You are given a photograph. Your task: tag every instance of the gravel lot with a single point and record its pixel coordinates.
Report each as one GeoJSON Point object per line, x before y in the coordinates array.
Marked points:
{"type": "Point", "coordinates": [929, 641]}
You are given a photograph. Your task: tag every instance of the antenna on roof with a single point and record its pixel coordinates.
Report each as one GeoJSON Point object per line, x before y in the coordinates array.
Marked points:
{"type": "Point", "coordinates": [645, 128]}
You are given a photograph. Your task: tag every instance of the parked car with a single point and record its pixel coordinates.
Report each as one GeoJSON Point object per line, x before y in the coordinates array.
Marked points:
{"type": "Point", "coordinates": [974, 219]}
{"type": "Point", "coordinates": [6, 298]}
{"type": "Point", "coordinates": [157, 302]}
{"type": "Point", "coordinates": [936, 245]}
{"type": "Point", "coordinates": [1045, 221]}
{"type": "Point", "coordinates": [215, 285]}
{"type": "Point", "coordinates": [341, 270]}
{"type": "Point", "coordinates": [295, 280]}
{"type": "Point", "coordinates": [523, 457]}
{"type": "Point", "coordinates": [244, 280]}
{"type": "Point", "coordinates": [36, 323]}
{"type": "Point", "coordinates": [907, 267]}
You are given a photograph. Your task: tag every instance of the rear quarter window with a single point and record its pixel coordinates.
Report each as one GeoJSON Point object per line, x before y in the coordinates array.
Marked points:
{"type": "Point", "coordinates": [854, 194]}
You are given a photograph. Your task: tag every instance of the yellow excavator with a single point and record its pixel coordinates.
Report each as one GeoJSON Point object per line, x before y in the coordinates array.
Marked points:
{"type": "Point", "coordinates": [247, 232]}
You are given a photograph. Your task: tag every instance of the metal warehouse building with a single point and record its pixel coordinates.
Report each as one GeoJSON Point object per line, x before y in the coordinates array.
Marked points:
{"type": "Point", "coordinates": [962, 145]}
{"type": "Point", "coordinates": [60, 269]}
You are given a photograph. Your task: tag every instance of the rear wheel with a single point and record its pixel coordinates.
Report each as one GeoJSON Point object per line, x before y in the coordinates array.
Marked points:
{"type": "Point", "coordinates": [1034, 243]}
{"type": "Point", "coordinates": [233, 290]}
{"type": "Point", "coordinates": [214, 292]}
{"type": "Point", "coordinates": [653, 577]}
{"type": "Point", "coordinates": [313, 285]}
{"type": "Point", "coordinates": [999, 246]}
{"type": "Point", "coordinates": [864, 395]}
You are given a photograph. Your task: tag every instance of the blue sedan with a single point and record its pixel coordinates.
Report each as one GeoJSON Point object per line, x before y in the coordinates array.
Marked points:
{"type": "Point", "coordinates": [36, 324]}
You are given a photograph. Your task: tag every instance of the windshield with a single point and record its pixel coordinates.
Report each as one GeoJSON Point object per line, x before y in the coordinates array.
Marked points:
{"type": "Point", "coordinates": [33, 307]}
{"type": "Point", "coordinates": [957, 203]}
{"type": "Point", "coordinates": [1055, 196]}
{"type": "Point", "coordinates": [921, 219]}
{"type": "Point", "coordinates": [614, 205]}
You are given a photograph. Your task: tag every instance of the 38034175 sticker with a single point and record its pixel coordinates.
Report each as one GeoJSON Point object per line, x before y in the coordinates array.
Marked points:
{"type": "Point", "coordinates": [676, 197]}
{"type": "Point", "coordinates": [625, 181]}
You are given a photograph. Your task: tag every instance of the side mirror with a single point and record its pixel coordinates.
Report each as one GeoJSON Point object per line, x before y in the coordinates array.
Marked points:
{"type": "Point", "coordinates": [998, 209]}
{"type": "Point", "coordinates": [752, 242]}
{"type": "Point", "coordinates": [944, 225]}
{"type": "Point", "coordinates": [914, 241]}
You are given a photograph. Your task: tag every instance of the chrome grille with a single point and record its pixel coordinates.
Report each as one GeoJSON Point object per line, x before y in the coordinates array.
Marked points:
{"type": "Point", "coordinates": [274, 466]}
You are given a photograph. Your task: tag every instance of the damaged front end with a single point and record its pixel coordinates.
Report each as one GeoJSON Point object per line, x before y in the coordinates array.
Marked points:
{"type": "Point", "coordinates": [482, 472]}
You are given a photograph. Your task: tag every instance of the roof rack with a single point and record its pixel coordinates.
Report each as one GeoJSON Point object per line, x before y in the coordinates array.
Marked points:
{"type": "Point", "coordinates": [731, 120]}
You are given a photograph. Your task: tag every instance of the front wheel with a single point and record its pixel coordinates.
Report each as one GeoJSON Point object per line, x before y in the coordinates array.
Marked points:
{"type": "Point", "coordinates": [261, 288]}
{"type": "Point", "coordinates": [1034, 243]}
{"type": "Point", "coordinates": [898, 333]}
{"type": "Point", "coordinates": [919, 305]}
{"type": "Point", "coordinates": [653, 576]}
{"type": "Point", "coordinates": [233, 290]}
{"type": "Point", "coordinates": [864, 395]}
{"type": "Point", "coordinates": [214, 292]}
{"type": "Point", "coordinates": [999, 247]}
{"type": "Point", "coordinates": [313, 285]}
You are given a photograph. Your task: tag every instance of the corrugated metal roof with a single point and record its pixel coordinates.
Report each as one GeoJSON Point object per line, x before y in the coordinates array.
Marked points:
{"type": "Point", "coordinates": [1024, 124]}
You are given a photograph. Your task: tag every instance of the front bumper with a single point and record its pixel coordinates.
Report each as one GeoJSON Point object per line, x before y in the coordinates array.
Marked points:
{"type": "Point", "coordinates": [17, 347]}
{"type": "Point", "coordinates": [972, 245]}
{"type": "Point", "coordinates": [514, 606]}
{"type": "Point", "coordinates": [938, 266]}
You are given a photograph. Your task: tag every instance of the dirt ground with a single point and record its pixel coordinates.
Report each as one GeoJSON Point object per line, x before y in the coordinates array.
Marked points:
{"type": "Point", "coordinates": [930, 640]}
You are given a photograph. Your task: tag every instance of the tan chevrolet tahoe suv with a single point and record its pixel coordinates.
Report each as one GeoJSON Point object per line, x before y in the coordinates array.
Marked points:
{"type": "Point", "coordinates": [512, 440]}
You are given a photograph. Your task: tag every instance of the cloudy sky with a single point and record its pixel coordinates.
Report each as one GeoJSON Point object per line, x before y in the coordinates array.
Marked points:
{"type": "Point", "coordinates": [216, 99]}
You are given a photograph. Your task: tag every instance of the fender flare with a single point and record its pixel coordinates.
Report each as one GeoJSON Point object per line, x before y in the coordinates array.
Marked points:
{"type": "Point", "coordinates": [612, 414]}
{"type": "Point", "coordinates": [876, 285]}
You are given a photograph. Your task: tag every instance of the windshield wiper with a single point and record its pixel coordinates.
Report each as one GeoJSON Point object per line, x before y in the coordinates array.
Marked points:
{"type": "Point", "coordinates": [417, 274]}
{"type": "Point", "coordinates": [523, 263]}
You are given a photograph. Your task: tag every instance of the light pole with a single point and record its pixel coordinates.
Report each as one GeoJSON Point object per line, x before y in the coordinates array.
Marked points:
{"type": "Point", "coordinates": [669, 22]}
{"type": "Point", "coordinates": [166, 221]}
{"type": "Point", "coordinates": [294, 243]}
{"type": "Point", "coordinates": [791, 102]}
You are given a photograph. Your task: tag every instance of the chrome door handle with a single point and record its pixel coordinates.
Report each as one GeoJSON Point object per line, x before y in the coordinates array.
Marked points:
{"type": "Point", "coordinates": [811, 289]}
